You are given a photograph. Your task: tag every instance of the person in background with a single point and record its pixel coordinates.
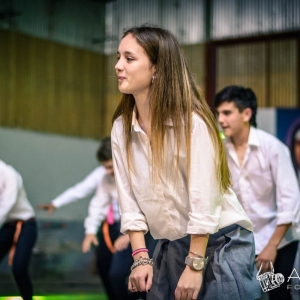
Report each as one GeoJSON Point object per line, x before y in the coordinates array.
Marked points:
{"type": "Point", "coordinates": [173, 180]}
{"type": "Point", "coordinates": [18, 229]}
{"type": "Point", "coordinates": [296, 153]}
{"type": "Point", "coordinates": [115, 253]}
{"type": "Point", "coordinates": [293, 141]}
{"type": "Point", "coordinates": [102, 225]}
{"type": "Point", "coordinates": [264, 181]}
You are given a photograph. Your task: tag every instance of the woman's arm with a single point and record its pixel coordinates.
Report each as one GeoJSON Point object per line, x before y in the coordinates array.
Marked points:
{"type": "Point", "coordinates": [190, 281]}
{"type": "Point", "coordinates": [204, 206]}
{"type": "Point", "coordinates": [140, 278]}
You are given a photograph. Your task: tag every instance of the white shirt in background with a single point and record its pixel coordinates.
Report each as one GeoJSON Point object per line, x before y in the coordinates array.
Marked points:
{"type": "Point", "coordinates": [266, 186]}
{"type": "Point", "coordinates": [82, 189]}
{"type": "Point", "coordinates": [105, 196]}
{"type": "Point", "coordinates": [165, 206]}
{"type": "Point", "coordinates": [14, 204]}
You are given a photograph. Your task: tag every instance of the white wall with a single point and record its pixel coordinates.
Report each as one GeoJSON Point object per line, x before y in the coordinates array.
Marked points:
{"type": "Point", "coordinates": [49, 164]}
{"type": "Point", "coordinates": [266, 119]}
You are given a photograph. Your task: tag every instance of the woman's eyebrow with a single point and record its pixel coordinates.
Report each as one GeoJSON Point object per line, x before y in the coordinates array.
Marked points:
{"type": "Point", "coordinates": [126, 52]}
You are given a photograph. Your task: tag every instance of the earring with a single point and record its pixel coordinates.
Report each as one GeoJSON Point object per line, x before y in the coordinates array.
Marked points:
{"type": "Point", "coordinates": [152, 80]}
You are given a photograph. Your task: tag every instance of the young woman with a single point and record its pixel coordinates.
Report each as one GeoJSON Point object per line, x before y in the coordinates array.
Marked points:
{"type": "Point", "coordinates": [172, 178]}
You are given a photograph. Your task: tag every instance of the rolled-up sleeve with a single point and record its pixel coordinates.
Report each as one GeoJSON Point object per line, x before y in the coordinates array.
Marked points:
{"type": "Point", "coordinates": [204, 198]}
{"type": "Point", "coordinates": [287, 190]}
{"type": "Point", "coordinates": [132, 218]}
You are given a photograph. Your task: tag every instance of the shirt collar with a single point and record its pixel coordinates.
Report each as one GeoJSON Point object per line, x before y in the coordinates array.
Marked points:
{"type": "Point", "coordinates": [135, 124]}
{"type": "Point", "coordinates": [252, 139]}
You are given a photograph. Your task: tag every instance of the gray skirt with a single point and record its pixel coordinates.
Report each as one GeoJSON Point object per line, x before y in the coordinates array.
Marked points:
{"type": "Point", "coordinates": [229, 274]}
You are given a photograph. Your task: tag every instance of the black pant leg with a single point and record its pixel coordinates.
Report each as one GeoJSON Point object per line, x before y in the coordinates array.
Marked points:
{"type": "Point", "coordinates": [22, 257]}
{"type": "Point", "coordinates": [284, 264]}
{"type": "Point", "coordinates": [6, 238]}
{"type": "Point", "coordinates": [104, 258]}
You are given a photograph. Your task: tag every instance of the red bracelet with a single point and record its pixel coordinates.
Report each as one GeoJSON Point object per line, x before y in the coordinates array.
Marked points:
{"type": "Point", "coordinates": [138, 251]}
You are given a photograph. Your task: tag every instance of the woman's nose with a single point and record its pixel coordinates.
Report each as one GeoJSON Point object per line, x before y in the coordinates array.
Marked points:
{"type": "Point", "coordinates": [118, 65]}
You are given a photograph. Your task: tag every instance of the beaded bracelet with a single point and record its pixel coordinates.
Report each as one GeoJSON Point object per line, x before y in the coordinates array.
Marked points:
{"type": "Point", "coordinates": [142, 261]}
{"type": "Point", "coordinates": [139, 250]}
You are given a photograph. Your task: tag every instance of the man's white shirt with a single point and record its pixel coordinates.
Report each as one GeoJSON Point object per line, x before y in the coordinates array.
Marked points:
{"type": "Point", "coordinates": [82, 189]}
{"type": "Point", "coordinates": [14, 204]}
{"type": "Point", "coordinates": [266, 186]}
{"type": "Point", "coordinates": [104, 188]}
{"type": "Point", "coordinates": [106, 196]}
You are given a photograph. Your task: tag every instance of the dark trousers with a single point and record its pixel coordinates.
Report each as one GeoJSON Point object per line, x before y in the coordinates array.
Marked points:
{"type": "Point", "coordinates": [26, 241]}
{"type": "Point", "coordinates": [114, 269]}
{"type": "Point", "coordinates": [284, 264]}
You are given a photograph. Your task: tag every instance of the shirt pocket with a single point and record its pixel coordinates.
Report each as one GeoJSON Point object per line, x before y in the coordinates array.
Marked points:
{"type": "Point", "coordinates": [262, 184]}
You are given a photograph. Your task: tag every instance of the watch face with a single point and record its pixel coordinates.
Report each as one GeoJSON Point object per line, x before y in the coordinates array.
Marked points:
{"type": "Point", "coordinates": [198, 264]}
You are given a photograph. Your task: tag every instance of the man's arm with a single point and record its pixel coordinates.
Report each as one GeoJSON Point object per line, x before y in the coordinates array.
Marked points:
{"type": "Point", "coordinates": [78, 191]}
{"type": "Point", "coordinates": [269, 253]}
{"type": "Point", "coordinates": [287, 202]}
{"type": "Point", "coordinates": [97, 212]}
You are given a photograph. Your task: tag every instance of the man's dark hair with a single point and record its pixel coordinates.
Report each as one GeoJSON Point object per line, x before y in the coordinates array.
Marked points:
{"type": "Point", "coordinates": [241, 97]}
{"type": "Point", "coordinates": [104, 152]}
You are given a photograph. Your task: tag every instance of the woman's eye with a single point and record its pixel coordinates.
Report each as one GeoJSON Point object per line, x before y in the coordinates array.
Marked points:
{"type": "Point", "coordinates": [118, 57]}
{"type": "Point", "coordinates": [129, 58]}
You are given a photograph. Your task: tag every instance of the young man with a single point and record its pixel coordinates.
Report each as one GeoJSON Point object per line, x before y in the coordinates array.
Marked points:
{"type": "Point", "coordinates": [264, 180]}
{"type": "Point", "coordinates": [18, 230]}
{"type": "Point", "coordinates": [100, 179]}
{"type": "Point", "coordinates": [113, 251]}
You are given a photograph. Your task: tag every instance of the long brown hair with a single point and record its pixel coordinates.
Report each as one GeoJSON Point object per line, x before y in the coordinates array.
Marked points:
{"type": "Point", "coordinates": [174, 95]}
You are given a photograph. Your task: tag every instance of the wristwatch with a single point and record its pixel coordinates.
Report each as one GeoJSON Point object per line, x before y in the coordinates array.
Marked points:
{"type": "Point", "coordinates": [196, 263]}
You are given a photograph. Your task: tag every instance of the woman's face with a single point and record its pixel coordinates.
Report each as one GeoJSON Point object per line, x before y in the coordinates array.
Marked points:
{"type": "Point", "coordinates": [134, 69]}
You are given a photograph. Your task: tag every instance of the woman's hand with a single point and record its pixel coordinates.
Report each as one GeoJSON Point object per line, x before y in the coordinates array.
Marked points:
{"type": "Point", "coordinates": [189, 284]}
{"type": "Point", "coordinates": [140, 279]}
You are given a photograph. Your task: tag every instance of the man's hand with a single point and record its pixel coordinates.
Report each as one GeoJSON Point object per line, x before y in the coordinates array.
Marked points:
{"type": "Point", "coordinates": [269, 253]}
{"type": "Point", "coordinates": [49, 207]}
{"type": "Point", "coordinates": [189, 284]}
{"type": "Point", "coordinates": [122, 242]}
{"type": "Point", "coordinates": [88, 241]}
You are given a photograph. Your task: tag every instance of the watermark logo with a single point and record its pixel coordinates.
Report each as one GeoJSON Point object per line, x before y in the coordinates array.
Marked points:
{"type": "Point", "coordinates": [268, 280]}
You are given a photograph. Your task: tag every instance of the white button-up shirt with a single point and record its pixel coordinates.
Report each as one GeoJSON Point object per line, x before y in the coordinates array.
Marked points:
{"type": "Point", "coordinates": [14, 204]}
{"type": "Point", "coordinates": [105, 197]}
{"type": "Point", "coordinates": [103, 186]}
{"type": "Point", "coordinates": [266, 186]}
{"type": "Point", "coordinates": [166, 207]}
{"type": "Point", "coordinates": [82, 189]}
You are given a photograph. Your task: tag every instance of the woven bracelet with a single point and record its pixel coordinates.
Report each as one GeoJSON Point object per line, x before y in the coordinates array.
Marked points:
{"type": "Point", "coordinates": [142, 261]}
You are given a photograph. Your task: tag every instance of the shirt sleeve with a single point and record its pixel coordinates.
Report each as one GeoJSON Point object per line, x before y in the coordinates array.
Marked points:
{"type": "Point", "coordinates": [8, 195]}
{"type": "Point", "coordinates": [132, 218]}
{"type": "Point", "coordinates": [287, 190]}
{"type": "Point", "coordinates": [204, 198]}
{"type": "Point", "coordinates": [98, 209]}
{"type": "Point", "coordinates": [81, 190]}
